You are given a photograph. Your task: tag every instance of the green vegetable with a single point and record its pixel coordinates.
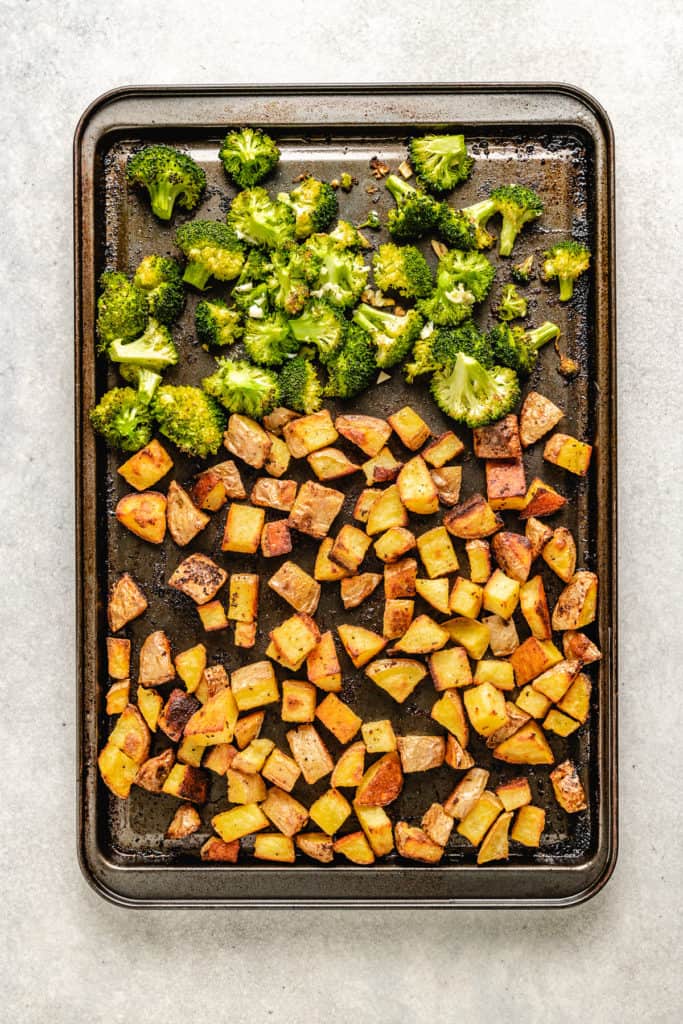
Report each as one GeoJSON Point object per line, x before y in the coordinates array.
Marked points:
{"type": "Point", "coordinates": [251, 293]}
{"type": "Point", "coordinates": [457, 229]}
{"type": "Point", "coordinates": [248, 155]}
{"type": "Point", "coordinates": [348, 237]}
{"type": "Point", "coordinates": [123, 419]}
{"type": "Point", "coordinates": [319, 325]}
{"type": "Point", "coordinates": [372, 221]}
{"type": "Point", "coordinates": [293, 270]}
{"type": "Point", "coordinates": [472, 269]}
{"type": "Point", "coordinates": [392, 335]}
{"type": "Point", "coordinates": [345, 181]}
{"type": "Point", "coordinates": [517, 205]}
{"type": "Point", "coordinates": [268, 341]}
{"type": "Point", "coordinates": [342, 274]}
{"type": "Point", "coordinates": [122, 310]}
{"type": "Point", "coordinates": [524, 271]}
{"type": "Point", "coordinates": [146, 381]}
{"type": "Point", "coordinates": [469, 393]}
{"type": "Point", "coordinates": [216, 322]}
{"type": "Point", "coordinates": [191, 419]}
{"type": "Point", "coordinates": [300, 387]}
{"type": "Point", "coordinates": [153, 350]}
{"type": "Point", "coordinates": [441, 161]}
{"type": "Point", "coordinates": [212, 250]}
{"type": "Point", "coordinates": [160, 278]}
{"type": "Point", "coordinates": [435, 349]}
{"type": "Point", "coordinates": [314, 204]}
{"type": "Point", "coordinates": [259, 220]}
{"type": "Point", "coordinates": [462, 279]}
{"type": "Point", "coordinates": [402, 269]}
{"type": "Point", "coordinates": [517, 348]}
{"type": "Point", "coordinates": [479, 215]}
{"type": "Point", "coordinates": [169, 176]}
{"type": "Point", "coordinates": [241, 387]}
{"type": "Point", "coordinates": [416, 213]}
{"type": "Point", "coordinates": [566, 261]}
{"type": "Point", "coordinates": [511, 305]}
{"type": "Point", "coordinates": [353, 367]}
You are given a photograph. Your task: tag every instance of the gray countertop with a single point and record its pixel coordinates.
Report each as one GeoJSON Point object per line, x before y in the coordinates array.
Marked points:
{"type": "Point", "coordinates": [66, 955]}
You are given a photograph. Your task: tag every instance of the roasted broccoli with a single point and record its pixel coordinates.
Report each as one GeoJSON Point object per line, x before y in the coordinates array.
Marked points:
{"type": "Point", "coordinates": [524, 271]}
{"type": "Point", "coordinates": [259, 220]}
{"type": "Point", "coordinates": [319, 325]}
{"type": "Point", "coordinates": [517, 205]}
{"type": "Point", "coordinates": [392, 335]}
{"type": "Point", "coordinates": [342, 274]}
{"type": "Point", "coordinates": [436, 348]}
{"type": "Point", "coordinates": [462, 278]}
{"type": "Point", "coordinates": [251, 292]}
{"type": "Point", "coordinates": [402, 269]}
{"type": "Point", "coordinates": [353, 367]}
{"type": "Point", "coordinates": [122, 310]}
{"type": "Point", "coordinates": [212, 250]}
{"type": "Point", "coordinates": [479, 214]}
{"type": "Point", "coordinates": [293, 269]}
{"type": "Point", "coordinates": [191, 419]}
{"type": "Point", "coordinates": [348, 237]}
{"type": "Point", "coordinates": [169, 176]}
{"type": "Point", "coordinates": [242, 387]}
{"type": "Point", "coordinates": [511, 305]}
{"type": "Point", "coordinates": [441, 161]}
{"type": "Point", "coordinates": [145, 381]}
{"type": "Point", "coordinates": [372, 221]}
{"type": "Point", "coordinates": [160, 278]}
{"type": "Point", "coordinates": [566, 261]}
{"type": "Point", "coordinates": [471, 269]}
{"type": "Point", "coordinates": [517, 348]}
{"type": "Point", "coordinates": [216, 322]}
{"type": "Point", "coordinates": [469, 393]}
{"type": "Point", "coordinates": [314, 204]}
{"type": "Point", "coordinates": [346, 181]}
{"type": "Point", "coordinates": [457, 229]}
{"type": "Point", "coordinates": [153, 350]}
{"type": "Point", "coordinates": [122, 418]}
{"type": "Point", "coordinates": [416, 213]}
{"type": "Point", "coordinates": [248, 155]}
{"type": "Point", "coordinates": [300, 387]}
{"type": "Point", "coordinates": [268, 341]}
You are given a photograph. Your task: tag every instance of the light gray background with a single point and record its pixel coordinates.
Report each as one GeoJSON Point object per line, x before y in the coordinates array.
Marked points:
{"type": "Point", "coordinates": [66, 956]}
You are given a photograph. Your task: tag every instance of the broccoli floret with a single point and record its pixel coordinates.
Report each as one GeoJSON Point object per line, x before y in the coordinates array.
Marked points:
{"type": "Point", "coordinates": [319, 325]}
{"type": "Point", "coordinates": [449, 305]}
{"type": "Point", "coordinates": [191, 419]}
{"type": "Point", "coordinates": [372, 221]}
{"type": "Point", "coordinates": [392, 335]}
{"type": "Point", "coordinates": [146, 381]}
{"type": "Point", "coordinates": [153, 350]}
{"type": "Point", "coordinates": [342, 274]}
{"type": "Point", "coordinates": [511, 305]}
{"type": "Point", "coordinates": [517, 348]}
{"type": "Point", "coordinates": [314, 204]}
{"type": "Point", "coordinates": [160, 278]}
{"type": "Point", "coordinates": [348, 237]}
{"type": "Point", "coordinates": [402, 269]}
{"type": "Point", "coordinates": [248, 155]}
{"type": "Point", "coordinates": [123, 419]}
{"type": "Point", "coordinates": [251, 293]}
{"type": "Point", "coordinates": [416, 213]}
{"type": "Point", "coordinates": [457, 229]}
{"type": "Point", "coordinates": [471, 269]}
{"type": "Point", "coordinates": [479, 214]}
{"type": "Point", "coordinates": [517, 205]}
{"type": "Point", "coordinates": [524, 271]}
{"type": "Point", "coordinates": [566, 261]}
{"type": "Point", "coordinates": [300, 386]}
{"type": "Point", "coordinates": [241, 387]}
{"type": "Point", "coordinates": [269, 341]}
{"type": "Point", "coordinates": [217, 323]}
{"type": "Point", "coordinates": [346, 182]}
{"type": "Point", "coordinates": [469, 393]}
{"type": "Point", "coordinates": [122, 310]}
{"type": "Point", "coordinates": [259, 220]}
{"type": "Point", "coordinates": [212, 250]}
{"type": "Point", "coordinates": [293, 269]}
{"type": "Point", "coordinates": [353, 367]}
{"type": "Point", "coordinates": [169, 176]}
{"type": "Point", "coordinates": [435, 349]}
{"type": "Point", "coordinates": [441, 161]}
{"type": "Point", "coordinates": [422, 361]}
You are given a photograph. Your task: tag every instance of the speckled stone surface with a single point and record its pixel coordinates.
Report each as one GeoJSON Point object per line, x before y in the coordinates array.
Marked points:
{"type": "Point", "coordinates": [65, 955]}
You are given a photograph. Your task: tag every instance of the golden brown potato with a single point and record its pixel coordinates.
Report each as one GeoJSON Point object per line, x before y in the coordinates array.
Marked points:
{"type": "Point", "coordinates": [394, 544]}
{"type": "Point", "coordinates": [239, 821]}
{"type": "Point", "coordinates": [467, 793]}
{"type": "Point", "coordinates": [555, 681]}
{"type": "Point", "coordinates": [577, 603]}
{"type": "Point", "coordinates": [423, 636]}
{"type": "Point", "coordinates": [276, 420]}
{"type": "Point", "coordinates": [315, 509]}
{"type": "Point", "coordinates": [279, 456]}
{"type": "Point", "coordinates": [500, 440]}
{"type": "Point", "coordinates": [144, 515]}
{"type": "Point", "coordinates": [146, 467]}
{"type": "Point", "coordinates": [538, 534]}
{"type": "Point", "coordinates": [243, 527]}
{"type": "Point", "coordinates": [365, 502]}
{"type": "Point", "coordinates": [117, 770]}
{"type": "Point", "coordinates": [479, 556]}
{"type": "Point", "coordinates": [243, 599]}
{"type": "Point", "coordinates": [495, 843]}
{"type": "Point", "coordinates": [538, 416]}
{"type": "Point", "coordinates": [503, 638]}
{"type": "Point", "coordinates": [254, 685]}
{"type": "Point", "coordinates": [156, 665]}
{"type": "Point", "coordinates": [479, 818]}
{"type": "Point", "coordinates": [298, 701]}
{"type": "Point", "coordinates": [355, 848]}
{"type": "Point", "coordinates": [330, 811]}
{"type": "Point", "coordinates": [150, 704]}
{"type": "Point", "coordinates": [399, 579]}
{"type": "Point", "coordinates": [367, 432]}
{"type": "Point", "coordinates": [248, 728]}
{"type": "Point", "coordinates": [187, 783]}
{"type": "Point", "coordinates": [338, 717]}
{"type": "Point", "coordinates": [349, 769]}
{"type": "Point", "coordinates": [153, 773]}
{"type": "Point", "coordinates": [309, 433]}
{"type": "Point", "coordinates": [331, 464]}
{"type": "Point", "coordinates": [387, 511]}
{"type": "Point", "coordinates": [513, 554]}
{"type": "Point", "coordinates": [350, 547]}
{"type": "Point", "coordinates": [176, 713]}
{"type": "Point", "coordinates": [185, 822]}
{"type": "Point", "coordinates": [215, 849]}
{"type": "Point", "coordinates": [485, 708]}
{"type": "Point", "coordinates": [322, 665]}
{"type": "Point", "coordinates": [436, 551]}
{"type": "Point", "coordinates": [317, 845]}
{"type": "Point", "coordinates": [527, 745]}
{"type": "Point", "coordinates": [277, 848]}
{"type": "Point", "coordinates": [465, 598]}
{"type": "Point", "coordinates": [294, 639]}
{"type": "Point", "coordinates": [435, 593]}
{"type": "Point", "coordinates": [397, 676]}
{"type": "Point", "coordinates": [382, 468]}
{"type": "Point", "coordinates": [505, 483]}
{"type": "Point", "coordinates": [410, 427]}
{"type": "Point", "coordinates": [560, 553]}
{"type": "Point", "coordinates": [541, 500]}
{"type": "Point", "coordinates": [514, 794]}
{"type": "Point", "coordinates": [281, 770]}
{"type": "Point", "coordinates": [310, 753]}
{"type": "Point", "coordinates": [376, 825]}
{"type": "Point", "coordinates": [448, 480]}
{"type": "Point", "coordinates": [472, 519]}
{"type": "Point", "coordinates": [515, 718]}
{"type": "Point", "coordinates": [199, 578]}
{"type": "Point", "coordinates": [446, 447]}
{"type": "Point", "coordinates": [450, 668]}
{"type": "Point", "coordinates": [184, 519]}
{"type": "Point", "coordinates": [533, 657]}
{"type": "Point", "coordinates": [534, 607]}
{"type": "Point", "coordinates": [246, 439]}
{"type": "Point", "coordinates": [528, 826]}
{"type": "Point", "coordinates": [296, 587]}
{"type": "Point", "coordinates": [276, 539]}
{"type": "Point", "coordinates": [286, 813]}
{"type": "Point", "coordinates": [569, 453]}
{"type": "Point", "coordinates": [499, 673]}
{"type": "Point", "coordinates": [568, 789]}
{"type": "Point", "coordinates": [382, 782]}
{"type": "Point", "coordinates": [360, 644]}
{"type": "Point", "coordinates": [501, 595]}
{"type": "Point", "coordinates": [118, 658]}
{"type": "Point", "coordinates": [414, 844]}
{"type": "Point", "coordinates": [398, 615]}
{"type": "Point", "coordinates": [216, 485]}
{"type": "Point", "coordinates": [416, 488]}
{"type": "Point", "coordinates": [325, 570]}
{"type": "Point", "coordinates": [448, 711]}
{"type": "Point", "coordinates": [437, 824]}
{"type": "Point", "coordinates": [126, 602]}
{"type": "Point", "coordinates": [117, 697]}
{"type": "Point", "coordinates": [219, 758]}
{"type": "Point", "coordinates": [277, 494]}
{"type": "Point", "coordinates": [355, 589]}
{"type": "Point", "coordinates": [578, 646]}
{"type": "Point", "coordinates": [576, 701]}
{"type": "Point", "coordinates": [421, 753]}
{"type": "Point", "coordinates": [473, 636]}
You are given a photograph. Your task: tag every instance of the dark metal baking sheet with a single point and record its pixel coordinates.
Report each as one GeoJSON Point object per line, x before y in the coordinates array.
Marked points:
{"type": "Point", "coordinates": [554, 138]}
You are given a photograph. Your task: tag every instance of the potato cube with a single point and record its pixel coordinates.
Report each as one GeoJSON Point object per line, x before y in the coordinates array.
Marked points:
{"type": "Point", "coordinates": [379, 737]}
{"type": "Point", "coordinates": [298, 701]}
{"type": "Point", "coordinates": [183, 518]}
{"type": "Point", "coordinates": [576, 701]}
{"type": "Point", "coordinates": [386, 512]}
{"type": "Point", "coordinates": [500, 440]}
{"type": "Point", "coordinates": [503, 638]}
{"type": "Point", "coordinates": [466, 794]}
{"type": "Point", "coordinates": [330, 811]}
{"type": "Point", "coordinates": [247, 439]}
{"type": "Point", "coordinates": [239, 822]}
{"type": "Point", "coordinates": [528, 826]}
{"type": "Point", "coordinates": [331, 464]}
{"type": "Point", "coordinates": [515, 718]}
{"type": "Point", "coordinates": [245, 634]}
{"type": "Point", "coordinates": [296, 587]}
{"type": "Point", "coordinates": [443, 449]}
{"type": "Point", "coordinates": [325, 570]}
{"type": "Point", "coordinates": [538, 416]}
{"type": "Point", "coordinates": [472, 635]}
{"type": "Point", "coordinates": [366, 499]}
{"type": "Point", "coordinates": [534, 606]}
{"type": "Point", "coordinates": [423, 636]}
{"type": "Point", "coordinates": [499, 673]}
{"type": "Point", "coordinates": [191, 751]}
{"type": "Point", "coordinates": [243, 528]}
{"type": "Point", "coordinates": [254, 685]}
{"type": "Point", "coordinates": [421, 753]}
{"type": "Point", "coordinates": [485, 707]}
{"type": "Point", "coordinates": [243, 600]}
{"type": "Point", "coordinates": [448, 711]}
{"type": "Point", "coordinates": [411, 428]}
{"type": "Point", "coordinates": [144, 515]}
{"type": "Point", "coordinates": [576, 605]}
{"type": "Point", "coordinates": [215, 720]}
{"type": "Point", "coordinates": [219, 758]}
{"type": "Point", "coordinates": [435, 593]}
{"type": "Point", "coordinates": [245, 787]}
{"type": "Point", "coordinates": [155, 663]}
{"type": "Point", "coordinates": [360, 644]}
{"type": "Point", "coordinates": [281, 770]}
{"type": "Point", "coordinates": [399, 579]}
{"type": "Point", "coordinates": [276, 539]}
{"type": "Point", "coordinates": [541, 500]}
{"type": "Point", "coordinates": [416, 488]}
{"type": "Point", "coordinates": [394, 544]}
{"type": "Point", "coordinates": [339, 718]}
{"type": "Point", "coordinates": [376, 825]}
{"type": "Point", "coordinates": [578, 646]}
{"type": "Point", "coordinates": [559, 723]}
{"type": "Point", "coordinates": [382, 782]}
{"type": "Point", "coordinates": [560, 553]}
{"type": "Point", "coordinates": [448, 480]}
{"type": "Point", "coordinates": [398, 614]}
{"type": "Point", "coordinates": [414, 844]}
{"type": "Point", "coordinates": [214, 679]}
{"type": "Point", "coordinates": [436, 551]}
{"type": "Point", "coordinates": [505, 484]}
{"type": "Point", "coordinates": [275, 421]}
{"type": "Point", "coordinates": [187, 783]}
{"type": "Point", "coordinates": [252, 759]}
{"type": "Point", "coordinates": [317, 845]}
{"type": "Point", "coordinates": [355, 848]}
{"type": "Point", "coordinates": [215, 485]}
{"type": "Point", "coordinates": [146, 467]}
{"type": "Point", "coordinates": [472, 519]}
{"type": "Point", "coordinates": [555, 681]}
{"type": "Point", "coordinates": [538, 534]}
{"type": "Point", "coordinates": [533, 702]}
{"type": "Point", "coordinates": [513, 554]}
{"type": "Point", "coordinates": [279, 456]}
{"type": "Point", "coordinates": [514, 793]}
{"type": "Point", "coordinates": [277, 848]}
{"type": "Point", "coordinates": [526, 746]}
{"type": "Point", "coordinates": [212, 616]}
{"type": "Point", "coordinates": [437, 824]}
{"type": "Point", "coordinates": [569, 453]}
{"type": "Point", "coordinates": [118, 658]}
{"type": "Point", "coordinates": [382, 468]}
{"type": "Point", "coordinates": [322, 665]}
{"type": "Point", "coordinates": [295, 638]}
{"type": "Point", "coordinates": [349, 769]}
{"type": "Point", "coordinates": [479, 555]}
{"type": "Point", "coordinates": [309, 433]}
{"type": "Point", "coordinates": [117, 697]}
{"type": "Point", "coordinates": [310, 753]}
{"type": "Point", "coordinates": [450, 668]}
{"type": "Point", "coordinates": [533, 657]}
{"type": "Point", "coordinates": [350, 547]}
{"type": "Point", "coordinates": [569, 791]}
{"type": "Point", "coordinates": [150, 704]}
{"type": "Point", "coordinates": [185, 822]}
{"type": "Point", "coordinates": [118, 771]}
{"type": "Point", "coordinates": [286, 813]}
{"type": "Point", "coordinates": [199, 578]}
{"type": "Point", "coordinates": [190, 665]}
{"type": "Point", "coordinates": [501, 595]}
{"type": "Point", "coordinates": [355, 589]}
{"type": "Point", "coordinates": [456, 757]}
{"type": "Point", "coordinates": [466, 598]}
{"type": "Point", "coordinates": [277, 494]}
{"type": "Point", "coordinates": [367, 432]}
{"type": "Point", "coordinates": [126, 602]}
{"type": "Point", "coordinates": [495, 843]}
{"type": "Point", "coordinates": [214, 849]}
{"type": "Point", "coordinates": [397, 676]}
{"type": "Point", "coordinates": [315, 509]}
{"type": "Point", "coordinates": [480, 817]}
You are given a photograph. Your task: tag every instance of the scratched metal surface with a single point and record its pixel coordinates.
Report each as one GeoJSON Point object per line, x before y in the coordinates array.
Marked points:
{"type": "Point", "coordinates": [559, 163]}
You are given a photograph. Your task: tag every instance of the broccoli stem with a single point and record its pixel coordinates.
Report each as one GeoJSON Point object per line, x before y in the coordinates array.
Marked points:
{"type": "Point", "coordinates": [197, 275]}
{"type": "Point", "coordinates": [508, 234]}
{"type": "Point", "coordinates": [399, 188]}
{"type": "Point", "coordinates": [566, 288]}
{"type": "Point", "coordinates": [148, 382]}
{"type": "Point", "coordinates": [163, 196]}
{"type": "Point", "coordinates": [481, 212]}
{"type": "Point", "coordinates": [540, 336]}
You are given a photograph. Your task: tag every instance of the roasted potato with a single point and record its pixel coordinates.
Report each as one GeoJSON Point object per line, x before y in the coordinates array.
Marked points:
{"type": "Point", "coordinates": [155, 663]}
{"type": "Point", "coordinates": [246, 439]}
{"type": "Point", "coordinates": [367, 432]}
{"type": "Point", "coordinates": [446, 447]}
{"type": "Point", "coordinates": [500, 440]}
{"type": "Point", "coordinates": [146, 467]}
{"type": "Point", "coordinates": [414, 844]}
{"type": "Point", "coordinates": [447, 480]}
{"type": "Point", "coordinates": [315, 509]}
{"type": "Point", "coordinates": [144, 515]}
{"type": "Point", "coordinates": [560, 553]}
{"type": "Point", "coordinates": [199, 578]}
{"type": "Point", "coordinates": [576, 605]}
{"type": "Point", "coordinates": [341, 720]}
{"type": "Point", "coordinates": [277, 494]}
{"type": "Point", "coordinates": [310, 753]}
{"type": "Point", "coordinates": [421, 753]}
{"type": "Point", "coordinates": [397, 676]}
{"type": "Point", "coordinates": [276, 539]}
{"type": "Point", "coordinates": [183, 518]}
{"type": "Point", "coordinates": [331, 464]}
{"type": "Point", "coordinates": [434, 592]}
{"type": "Point", "coordinates": [243, 528]}
{"type": "Point", "coordinates": [416, 488]}
{"type": "Point", "coordinates": [398, 615]}
{"type": "Point", "coordinates": [355, 589]}
{"type": "Point", "coordinates": [538, 416]}
{"type": "Point", "coordinates": [448, 711]}
{"type": "Point", "coordinates": [569, 791]}
{"type": "Point", "coordinates": [410, 427]}
{"type": "Point", "coordinates": [472, 519]}
{"type": "Point", "coordinates": [360, 644]}
{"type": "Point", "coordinates": [309, 433]}
{"type": "Point", "coordinates": [569, 453]}
{"type": "Point", "coordinates": [349, 769]}
{"type": "Point", "coordinates": [382, 782]}
{"type": "Point", "coordinates": [296, 587]}
{"type": "Point", "coordinates": [126, 602]}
